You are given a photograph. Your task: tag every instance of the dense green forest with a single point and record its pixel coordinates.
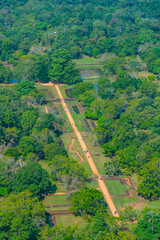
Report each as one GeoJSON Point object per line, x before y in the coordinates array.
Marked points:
{"type": "Point", "coordinates": [123, 27]}
{"type": "Point", "coordinates": [39, 41]}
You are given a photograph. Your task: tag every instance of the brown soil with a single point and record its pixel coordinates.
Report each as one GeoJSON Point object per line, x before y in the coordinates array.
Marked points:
{"type": "Point", "coordinates": [79, 121]}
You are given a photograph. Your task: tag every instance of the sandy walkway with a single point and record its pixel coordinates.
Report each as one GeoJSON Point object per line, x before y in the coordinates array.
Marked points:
{"type": "Point", "coordinates": [70, 150]}
{"type": "Point", "coordinates": [88, 156]}
{"type": "Point", "coordinates": [46, 109]}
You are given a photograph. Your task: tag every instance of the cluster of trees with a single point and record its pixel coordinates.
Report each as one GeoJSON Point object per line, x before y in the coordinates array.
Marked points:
{"type": "Point", "coordinates": [23, 216]}
{"type": "Point", "coordinates": [90, 28]}
{"type": "Point", "coordinates": [56, 67]}
{"type": "Point", "coordinates": [127, 112]}
{"type": "Point", "coordinates": [26, 135]}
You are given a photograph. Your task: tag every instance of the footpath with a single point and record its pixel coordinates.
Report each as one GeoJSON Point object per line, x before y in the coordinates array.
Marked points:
{"type": "Point", "coordinates": [101, 183]}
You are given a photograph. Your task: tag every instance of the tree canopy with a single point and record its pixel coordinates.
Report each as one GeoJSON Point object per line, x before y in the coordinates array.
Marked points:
{"type": "Point", "coordinates": [33, 178]}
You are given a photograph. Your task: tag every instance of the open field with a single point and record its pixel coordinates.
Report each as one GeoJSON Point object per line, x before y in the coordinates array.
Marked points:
{"type": "Point", "coordinates": [149, 204]}
{"type": "Point", "coordinates": [122, 202]}
{"type": "Point", "coordinates": [56, 200]}
{"type": "Point", "coordinates": [96, 151]}
{"type": "Point", "coordinates": [67, 138]}
{"type": "Point", "coordinates": [115, 187]}
{"type": "Point", "coordinates": [69, 220]}
{"type": "Point", "coordinates": [93, 184]}
{"type": "Point", "coordinates": [87, 60]}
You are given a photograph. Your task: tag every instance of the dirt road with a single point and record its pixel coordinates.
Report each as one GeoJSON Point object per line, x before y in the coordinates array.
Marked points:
{"type": "Point", "coordinates": [88, 157]}
{"type": "Point", "coordinates": [70, 150]}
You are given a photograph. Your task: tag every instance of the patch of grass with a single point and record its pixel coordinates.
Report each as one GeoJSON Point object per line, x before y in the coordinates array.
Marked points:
{"type": "Point", "coordinates": [86, 166]}
{"type": "Point", "coordinates": [38, 86]}
{"type": "Point", "coordinates": [59, 208]}
{"type": "Point", "coordinates": [149, 204]}
{"type": "Point", "coordinates": [67, 139]}
{"type": "Point", "coordinates": [87, 60]}
{"type": "Point", "coordinates": [56, 200]}
{"type": "Point", "coordinates": [79, 67]}
{"type": "Point", "coordinates": [45, 165]}
{"type": "Point", "coordinates": [93, 149]}
{"type": "Point", "coordinates": [134, 177]}
{"type": "Point", "coordinates": [153, 204]}
{"type": "Point", "coordinates": [115, 187]}
{"type": "Point", "coordinates": [127, 201]}
{"type": "Point", "coordinates": [117, 203]}
{"type": "Point", "coordinates": [122, 202]}
{"type": "Point", "coordinates": [92, 184]}
{"type": "Point", "coordinates": [63, 88]}
{"type": "Point", "coordinates": [69, 220]}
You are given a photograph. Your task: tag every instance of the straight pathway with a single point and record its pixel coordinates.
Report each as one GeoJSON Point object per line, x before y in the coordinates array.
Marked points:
{"type": "Point", "coordinates": [88, 157]}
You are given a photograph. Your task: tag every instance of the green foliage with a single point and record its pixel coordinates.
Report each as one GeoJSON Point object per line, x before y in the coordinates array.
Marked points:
{"type": "Point", "coordinates": [28, 120]}
{"type": "Point", "coordinates": [66, 170]}
{"type": "Point", "coordinates": [81, 88]}
{"type": "Point", "coordinates": [87, 201]}
{"type": "Point", "coordinates": [33, 68]}
{"type": "Point", "coordinates": [12, 152]}
{"type": "Point", "coordinates": [33, 178]}
{"type": "Point", "coordinates": [150, 176]}
{"type": "Point", "coordinates": [148, 226]}
{"type": "Point", "coordinates": [29, 144]}
{"type": "Point", "coordinates": [21, 217]}
{"type": "Point", "coordinates": [105, 89]}
{"type": "Point", "coordinates": [62, 68]}
{"type": "Point", "coordinates": [112, 169]}
{"type": "Point", "coordinates": [59, 232]}
{"type": "Point", "coordinates": [5, 74]}
{"type": "Point", "coordinates": [53, 149]}
{"type": "Point", "coordinates": [25, 87]}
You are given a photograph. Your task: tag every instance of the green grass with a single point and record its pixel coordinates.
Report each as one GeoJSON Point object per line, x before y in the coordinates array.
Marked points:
{"type": "Point", "coordinates": [149, 204]}
{"type": "Point", "coordinates": [63, 88]}
{"type": "Point", "coordinates": [76, 116]}
{"type": "Point", "coordinates": [59, 208]}
{"type": "Point", "coordinates": [93, 149]}
{"type": "Point", "coordinates": [122, 202]}
{"type": "Point", "coordinates": [44, 165]}
{"type": "Point", "coordinates": [115, 187]}
{"type": "Point", "coordinates": [134, 177]}
{"type": "Point", "coordinates": [69, 220]}
{"type": "Point", "coordinates": [92, 184]}
{"type": "Point", "coordinates": [38, 86]}
{"type": "Point", "coordinates": [67, 139]}
{"type": "Point", "coordinates": [88, 60]}
{"type": "Point", "coordinates": [89, 67]}
{"type": "Point", "coordinates": [56, 200]}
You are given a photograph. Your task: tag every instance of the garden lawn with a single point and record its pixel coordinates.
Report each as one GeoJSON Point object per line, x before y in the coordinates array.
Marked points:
{"type": "Point", "coordinates": [63, 88]}
{"type": "Point", "coordinates": [67, 139]}
{"type": "Point", "coordinates": [149, 204]}
{"type": "Point", "coordinates": [122, 202]}
{"type": "Point", "coordinates": [86, 61]}
{"type": "Point", "coordinates": [69, 220]}
{"type": "Point", "coordinates": [92, 184]}
{"type": "Point", "coordinates": [115, 187]}
{"type": "Point", "coordinates": [56, 200]}
{"type": "Point", "coordinates": [93, 149]}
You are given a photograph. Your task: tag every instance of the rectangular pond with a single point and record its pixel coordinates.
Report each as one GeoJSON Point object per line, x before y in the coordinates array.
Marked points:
{"type": "Point", "coordinates": [75, 109]}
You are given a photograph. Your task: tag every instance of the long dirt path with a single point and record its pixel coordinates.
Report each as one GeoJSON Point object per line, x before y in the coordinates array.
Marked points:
{"type": "Point", "coordinates": [88, 157]}
{"type": "Point", "coordinates": [70, 150]}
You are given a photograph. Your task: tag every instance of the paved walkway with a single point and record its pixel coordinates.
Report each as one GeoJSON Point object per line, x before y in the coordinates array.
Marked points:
{"type": "Point", "coordinates": [88, 157]}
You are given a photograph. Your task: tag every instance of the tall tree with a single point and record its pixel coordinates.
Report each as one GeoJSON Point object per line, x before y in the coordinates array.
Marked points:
{"type": "Point", "coordinates": [62, 69]}
{"type": "Point", "coordinates": [33, 178]}
{"type": "Point", "coordinates": [21, 217]}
